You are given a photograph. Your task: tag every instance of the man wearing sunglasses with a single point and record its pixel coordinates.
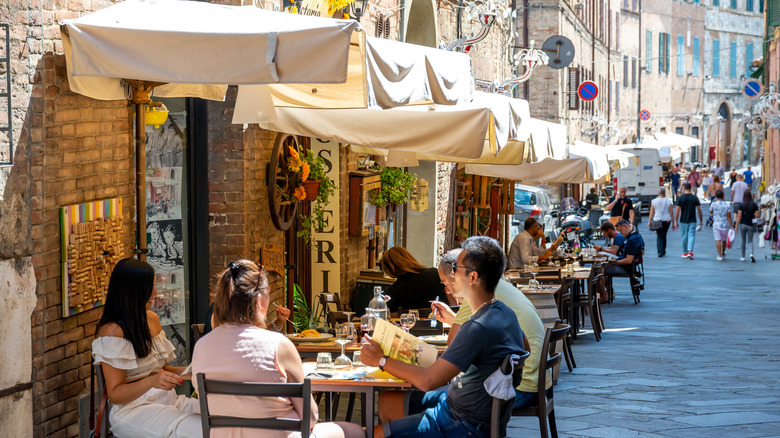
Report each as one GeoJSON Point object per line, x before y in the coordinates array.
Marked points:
{"type": "Point", "coordinates": [524, 248]}
{"type": "Point", "coordinates": [464, 408]}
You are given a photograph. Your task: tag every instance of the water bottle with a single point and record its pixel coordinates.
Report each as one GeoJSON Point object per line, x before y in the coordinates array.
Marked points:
{"type": "Point", "coordinates": [378, 305]}
{"type": "Point", "coordinates": [576, 245]}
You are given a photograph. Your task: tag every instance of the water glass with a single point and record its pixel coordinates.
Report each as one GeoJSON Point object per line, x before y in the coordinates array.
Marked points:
{"type": "Point", "coordinates": [407, 321]}
{"type": "Point", "coordinates": [324, 361]}
{"type": "Point", "coordinates": [416, 314]}
{"type": "Point", "coordinates": [356, 359]}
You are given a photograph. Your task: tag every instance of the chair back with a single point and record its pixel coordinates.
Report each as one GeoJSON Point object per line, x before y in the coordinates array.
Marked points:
{"type": "Point", "coordinates": [105, 424]}
{"type": "Point", "coordinates": [197, 331]}
{"type": "Point", "coordinates": [501, 410]}
{"type": "Point", "coordinates": [328, 300]}
{"type": "Point", "coordinates": [423, 328]}
{"type": "Point", "coordinates": [551, 336]}
{"type": "Point", "coordinates": [593, 217]}
{"type": "Point", "coordinates": [208, 387]}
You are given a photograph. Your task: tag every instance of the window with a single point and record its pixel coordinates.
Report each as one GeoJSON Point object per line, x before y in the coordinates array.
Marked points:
{"type": "Point", "coordinates": [648, 51]}
{"type": "Point", "coordinates": [733, 59]}
{"type": "Point", "coordinates": [715, 58]}
{"type": "Point", "coordinates": [574, 82]}
{"type": "Point", "coordinates": [695, 56]}
{"type": "Point", "coordinates": [749, 5]}
{"type": "Point", "coordinates": [633, 72]}
{"type": "Point", "coordinates": [733, 4]}
{"type": "Point", "coordinates": [617, 96]}
{"type": "Point", "coordinates": [625, 71]}
{"type": "Point", "coordinates": [695, 132]}
{"type": "Point", "coordinates": [617, 31]}
{"type": "Point", "coordinates": [680, 55]}
{"type": "Point", "coordinates": [715, 3]}
{"type": "Point", "coordinates": [663, 52]}
{"type": "Point", "coordinates": [678, 131]}
{"type": "Point", "coordinates": [748, 59]}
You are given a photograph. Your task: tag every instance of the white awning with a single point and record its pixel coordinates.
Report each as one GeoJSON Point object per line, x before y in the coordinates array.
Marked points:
{"type": "Point", "coordinates": [549, 170]}
{"type": "Point", "coordinates": [198, 48]}
{"type": "Point", "coordinates": [677, 142]}
{"type": "Point", "coordinates": [596, 156]}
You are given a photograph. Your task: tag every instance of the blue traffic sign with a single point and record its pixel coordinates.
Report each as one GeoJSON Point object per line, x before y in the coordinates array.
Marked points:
{"type": "Point", "coordinates": [752, 88]}
{"type": "Point", "coordinates": [588, 90]}
{"type": "Point", "coordinates": [644, 115]}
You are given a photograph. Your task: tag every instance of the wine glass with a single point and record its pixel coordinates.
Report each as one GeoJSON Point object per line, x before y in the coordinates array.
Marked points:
{"type": "Point", "coordinates": [367, 322]}
{"type": "Point", "coordinates": [344, 335]}
{"type": "Point", "coordinates": [416, 314]}
{"type": "Point", "coordinates": [533, 282]}
{"type": "Point", "coordinates": [407, 320]}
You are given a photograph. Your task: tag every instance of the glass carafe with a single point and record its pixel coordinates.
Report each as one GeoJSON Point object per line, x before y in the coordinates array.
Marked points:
{"type": "Point", "coordinates": [378, 305]}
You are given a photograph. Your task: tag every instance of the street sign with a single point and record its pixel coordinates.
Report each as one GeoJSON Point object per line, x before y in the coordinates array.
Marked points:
{"type": "Point", "coordinates": [644, 115]}
{"type": "Point", "coordinates": [560, 50]}
{"type": "Point", "coordinates": [588, 90]}
{"type": "Point", "coordinates": [752, 88]}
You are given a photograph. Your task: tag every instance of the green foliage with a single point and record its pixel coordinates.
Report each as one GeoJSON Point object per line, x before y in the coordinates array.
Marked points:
{"type": "Point", "coordinates": [316, 221]}
{"type": "Point", "coordinates": [396, 186]}
{"type": "Point", "coordinates": [301, 310]}
{"type": "Point", "coordinates": [316, 164]}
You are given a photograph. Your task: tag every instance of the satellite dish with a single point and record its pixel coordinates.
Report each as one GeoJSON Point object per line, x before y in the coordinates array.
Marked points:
{"type": "Point", "coordinates": [560, 50]}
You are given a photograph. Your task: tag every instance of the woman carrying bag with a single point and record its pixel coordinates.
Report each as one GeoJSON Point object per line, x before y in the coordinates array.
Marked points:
{"type": "Point", "coordinates": [661, 219]}
{"type": "Point", "coordinates": [746, 217]}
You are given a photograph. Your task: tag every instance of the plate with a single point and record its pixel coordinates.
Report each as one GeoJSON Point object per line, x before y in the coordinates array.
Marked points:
{"type": "Point", "coordinates": [322, 338]}
{"type": "Point", "coordinates": [435, 339]}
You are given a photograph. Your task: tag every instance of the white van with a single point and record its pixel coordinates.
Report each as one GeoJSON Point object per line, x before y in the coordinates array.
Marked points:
{"type": "Point", "coordinates": [643, 179]}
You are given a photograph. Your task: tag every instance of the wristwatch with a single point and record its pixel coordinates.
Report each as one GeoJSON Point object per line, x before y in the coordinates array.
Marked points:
{"type": "Point", "coordinates": [382, 362]}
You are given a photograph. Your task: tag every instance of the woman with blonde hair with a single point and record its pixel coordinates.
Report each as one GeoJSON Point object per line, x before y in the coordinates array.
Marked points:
{"type": "Point", "coordinates": [240, 349]}
{"type": "Point", "coordinates": [415, 285]}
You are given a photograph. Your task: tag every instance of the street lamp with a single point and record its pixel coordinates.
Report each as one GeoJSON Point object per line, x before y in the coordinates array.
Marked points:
{"type": "Point", "coordinates": [359, 8]}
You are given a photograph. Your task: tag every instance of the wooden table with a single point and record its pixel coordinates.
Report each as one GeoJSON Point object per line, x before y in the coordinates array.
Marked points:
{"type": "Point", "coordinates": [310, 349]}
{"type": "Point", "coordinates": [367, 387]}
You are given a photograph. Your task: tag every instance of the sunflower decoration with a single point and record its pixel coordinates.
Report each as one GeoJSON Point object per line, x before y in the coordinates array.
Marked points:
{"type": "Point", "coordinates": [299, 193]}
{"type": "Point", "coordinates": [335, 5]}
{"type": "Point", "coordinates": [305, 170]}
{"type": "Point", "coordinates": [294, 162]}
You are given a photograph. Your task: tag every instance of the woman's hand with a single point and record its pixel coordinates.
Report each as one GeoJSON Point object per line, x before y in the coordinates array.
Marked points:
{"type": "Point", "coordinates": [165, 380]}
{"type": "Point", "coordinates": [443, 312]}
{"type": "Point", "coordinates": [371, 352]}
{"type": "Point", "coordinates": [282, 314]}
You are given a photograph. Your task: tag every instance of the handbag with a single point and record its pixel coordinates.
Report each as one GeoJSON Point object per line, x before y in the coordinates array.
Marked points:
{"type": "Point", "coordinates": [655, 225]}
{"type": "Point", "coordinates": [615, 219]}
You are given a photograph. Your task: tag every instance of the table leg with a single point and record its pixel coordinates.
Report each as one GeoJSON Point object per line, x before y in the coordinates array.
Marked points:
{"type": "Point", "coordinates": [369, 412]}
{"type": "Point", "coordinates": [328, 406]}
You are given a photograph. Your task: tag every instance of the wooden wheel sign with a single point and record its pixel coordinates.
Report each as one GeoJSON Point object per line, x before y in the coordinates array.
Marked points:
{"type": "Point", "coordinates": [282, 182]}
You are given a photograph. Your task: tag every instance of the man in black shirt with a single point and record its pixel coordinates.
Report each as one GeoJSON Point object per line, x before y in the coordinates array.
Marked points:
{"type": "Point", "coordinates": [621, 206]}
{"type": "Point", "coordinates": [685, 218]}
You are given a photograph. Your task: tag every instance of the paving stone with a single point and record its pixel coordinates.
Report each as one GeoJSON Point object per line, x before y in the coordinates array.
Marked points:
{"type": "Point", "coordinates": [639, 396]}
{"type": "Point", "coordinates": [727, 419]}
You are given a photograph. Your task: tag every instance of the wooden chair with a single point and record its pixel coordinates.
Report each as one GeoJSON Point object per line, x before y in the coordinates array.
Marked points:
{"type": "Point", "coordinates": [197, 331]}
{"type": "Point", "coordinates": [501, 410]}
{"type": "Point", "coordinates": [332, 309]}
{"type": "Point", "coordinates": [292, 390]}
{"type": "Point", "coordinates": [568, 354]}
{"type": "Point", "coordinates": [589, 303]}
{"type": "Point", "coordinates": [105, 424]}
{"type": "Point", "coordinates": [636, 278]}
{"type": "Point", "coordinates": [544, 408]}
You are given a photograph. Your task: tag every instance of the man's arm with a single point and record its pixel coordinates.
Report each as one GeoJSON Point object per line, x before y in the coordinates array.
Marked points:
{"type": "Point", "coordinates": [425, 379]}
{"type": "Point", "coordinates": [624, 261]}
{"type": "Point", "coordinates": [631, 214]}
{"type": "Point", "coordinates": [514, 260]}
{"type": "Point", "coordinates": [698, 208]}
{"type": "Point", "coordinates": [611, 205]}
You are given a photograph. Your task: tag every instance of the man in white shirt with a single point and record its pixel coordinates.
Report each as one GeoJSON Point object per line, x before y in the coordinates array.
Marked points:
{"type": "Point", "coordinates": [718, 171]}
{"type": "Point", "coordinates": [524, 248]}
{"type": "Point", "coordinates": [737, 192]}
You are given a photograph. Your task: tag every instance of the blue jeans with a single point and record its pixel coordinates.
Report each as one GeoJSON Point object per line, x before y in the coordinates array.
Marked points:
{"type": "Point", "coordinates": [688, 230]}
{"type": "Point", "coordinates": [523, 399]}
{"type": "Point", "coordinates": [429, 416]}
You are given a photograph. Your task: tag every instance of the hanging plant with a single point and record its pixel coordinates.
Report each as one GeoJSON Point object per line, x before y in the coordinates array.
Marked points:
{"type": "Point", "coordinates": [322, 188]}
{"type": "Point", "coordinates": [396, 187]}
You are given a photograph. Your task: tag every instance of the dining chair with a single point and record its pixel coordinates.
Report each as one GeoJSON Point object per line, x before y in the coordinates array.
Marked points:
{"type": "Point", "coordinates": [105, 424]}
{"type": "Point", "coordinates": [197, 331]}
{"type": "Point", "coordinates": [568, 354]}
{"type": "Point", "coordinates": [244, 389]}
{"type": "Point", "coordinates": [588, 303]}
{"type": "Point", "coordinates": [501, 410]}
{"type": "Point", "coordinates": [636, 278]}
{"type": "Point", "coordinates": [544, 408]}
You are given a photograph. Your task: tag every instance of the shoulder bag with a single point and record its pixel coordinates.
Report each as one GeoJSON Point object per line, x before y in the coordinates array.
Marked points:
{"type": "Point", "coordinates": [614, 219]}
{"type": "Point", "coordinates": [657, 225]}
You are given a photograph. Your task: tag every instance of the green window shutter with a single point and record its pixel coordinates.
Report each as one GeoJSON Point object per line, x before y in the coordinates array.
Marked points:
{"type": "Point", "coordinates": [774, 12]}
{"type": "Point", "coordinates": [680, 55]}
{"type": "Point", "coordinates": [668, 39]}
{"type": "Point", "coordinates": [715, 58]}
{"type": "Point", "coordinates": [733, 59]}
{"type": "Point", "coordinates": [695, 56]}
{"type": "Point", "coordinates": [649, 51]}
{"type": "Point", "coordinates": [748, 59]}
{"type": "Point", "coordinates": [660, 52]}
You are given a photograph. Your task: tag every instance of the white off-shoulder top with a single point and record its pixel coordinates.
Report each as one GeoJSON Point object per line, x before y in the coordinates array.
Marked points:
{"type": "Point", "coordinates": [119, 353]}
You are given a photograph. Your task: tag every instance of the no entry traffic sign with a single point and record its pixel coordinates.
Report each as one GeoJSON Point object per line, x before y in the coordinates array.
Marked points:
{"type": "Point", "coordinates": [644, 114]}
{"type": "Point", "coordinates": [752, 88]}
{"type": "Point", "coordinates": [588, 90]}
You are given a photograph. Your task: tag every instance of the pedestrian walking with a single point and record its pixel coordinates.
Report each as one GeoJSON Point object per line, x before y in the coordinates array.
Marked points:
{"type": "Point", "coordinates": [748, 211]}
{"type": "Point", "coordinates": [674, 177]}
{"type": "Point", "coordinates": [732, 180]}
{"type": "Point", "coordinates": [686, 207]}
{"type": "Point", "coordinates": [661, 211]}
{"type": "Point", "coordinates": [748, 175]}
{"type": "Point", "coordinates": [718, 171]}
{"type": "Point", "coordinates": [705, 184]}
{"type": "Point", "coordinates": [737, 193]}
{"type": "Point", "coordinates": [694, 178]}
{"type": "Point", "coordinates": [715, 186]}
{"type": "Point", "coordinates": [721, 223]}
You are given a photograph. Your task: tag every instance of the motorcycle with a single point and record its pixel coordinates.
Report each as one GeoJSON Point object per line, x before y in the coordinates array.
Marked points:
{"type": "Point", "coordinates": [572, 221]}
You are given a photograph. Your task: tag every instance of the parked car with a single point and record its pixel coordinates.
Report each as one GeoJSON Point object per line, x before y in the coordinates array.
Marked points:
{"type": "Point", "coordinates": [533, 202]}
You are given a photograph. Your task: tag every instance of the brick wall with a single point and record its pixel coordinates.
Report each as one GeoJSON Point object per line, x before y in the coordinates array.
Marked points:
{"type": "Point", "coordinates": [84, 153]}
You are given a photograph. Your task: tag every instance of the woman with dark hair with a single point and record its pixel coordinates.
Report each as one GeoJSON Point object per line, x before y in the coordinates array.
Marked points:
{"type": "Point", "coordinates": [748, 210]}
{"type": "Point", "coordinates": [239, 349]}
{"type": "Point", "coordinates": [415, 285]}
{"type": "Point", "coordinates": [132, 349]}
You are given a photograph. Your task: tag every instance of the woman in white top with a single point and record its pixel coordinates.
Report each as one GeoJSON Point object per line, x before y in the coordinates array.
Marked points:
{"type": "Point", "coordinates": [240, 349]}
{"type": "Point", "coordinates": [132, 349]}
{"type": "Point", "coordinates": [661, 210]}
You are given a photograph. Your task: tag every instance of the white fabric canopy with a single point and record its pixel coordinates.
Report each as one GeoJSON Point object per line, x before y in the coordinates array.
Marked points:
{"type": "Point", "coordinates": [548, 140]}
{"type": "Point", "coordinates": [596, 156]}
{"type": "Point", "coordinates": [195, 45]}
{"type": "Point", "coordinates": [549, 170]}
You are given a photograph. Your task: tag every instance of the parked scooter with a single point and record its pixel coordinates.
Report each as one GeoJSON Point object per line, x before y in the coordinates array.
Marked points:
{"type": "Point", "coordinates": [572, 221]}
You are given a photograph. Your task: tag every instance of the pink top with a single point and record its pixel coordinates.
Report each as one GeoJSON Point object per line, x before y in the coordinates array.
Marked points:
{"type": "Point", "coordinates": [244, 353]}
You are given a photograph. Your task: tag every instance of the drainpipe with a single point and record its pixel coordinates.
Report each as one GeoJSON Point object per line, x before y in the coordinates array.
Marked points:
{"type": "Point", "coordinates": [526, 43]}
{"type": "Point", "coordinates": [639, 84]}
{"type": "Point", "coordinates": [401, 32]}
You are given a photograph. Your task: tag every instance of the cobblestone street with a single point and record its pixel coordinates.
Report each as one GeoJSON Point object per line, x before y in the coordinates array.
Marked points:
{"type": "Point", "coordinates": [698, 357]}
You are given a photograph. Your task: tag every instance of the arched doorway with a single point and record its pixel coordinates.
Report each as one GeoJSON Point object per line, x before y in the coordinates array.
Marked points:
{"type": "Point", "coordinates": [723, 134]}
{"type": "Point", "coordinates": [420, 23]}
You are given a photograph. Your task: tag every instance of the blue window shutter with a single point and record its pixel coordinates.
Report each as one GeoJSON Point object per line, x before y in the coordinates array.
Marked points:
{"type": "Point", "coordinates": [733, 4]}
{"type": "Point", "coordinates": [749, 5]}
{"type": "Point", "coordinates": [696, 56]}
{"type": "Point", "coordinates": [649, 51]}
{"type": "Point", "coordinates": [715, 3]}
{"type": "Point", "coordinates": [680, 55]}
{"type": "Point", "coordinates": [715, 58]}
{"type": "Point", "coordinates": [733, 59]}
{"type": "Point", "coordinates": [748, 59]}
{"type": "Point", "coordinates": [667, 51]}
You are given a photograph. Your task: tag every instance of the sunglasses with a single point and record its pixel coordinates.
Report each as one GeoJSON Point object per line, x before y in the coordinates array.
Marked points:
{"type": "Point", "coordinates": [454, 267]}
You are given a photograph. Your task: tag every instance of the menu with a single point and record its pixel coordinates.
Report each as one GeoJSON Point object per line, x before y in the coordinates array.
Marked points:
{"type": "Point", "coordinates": [402, 346]}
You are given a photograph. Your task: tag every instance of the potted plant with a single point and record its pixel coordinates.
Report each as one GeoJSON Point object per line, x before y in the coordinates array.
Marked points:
{"type": "Point", "coordinates": [316, 186]}
{"type": "Point", "coordinates": [396, 186]}
{"type": "Point", "coordinates": [459, 207]}
{"type": "Point", "coordinates": [461, 234]}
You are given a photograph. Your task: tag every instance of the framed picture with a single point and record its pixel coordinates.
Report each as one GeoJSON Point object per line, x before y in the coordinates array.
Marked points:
{"type": "Point", "coordinates": [362, 213]}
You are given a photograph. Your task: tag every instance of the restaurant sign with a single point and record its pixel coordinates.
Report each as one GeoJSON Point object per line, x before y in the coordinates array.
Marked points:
{"type": "Point", "coordinates": [317, 8]}
{"type": "Point", "coordinates": [325, 260]}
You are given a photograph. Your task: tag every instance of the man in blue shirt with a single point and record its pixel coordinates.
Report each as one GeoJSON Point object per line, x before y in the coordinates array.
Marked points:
{"type": "Point", "coordinates": [465, 408]}
{"type": "Point", "coordinates": [675, 180]}
{"type": "Point", "coordinates": [609, 231]}
{"type": "Point", "coordinates": [748, 179]}
{"type": "Point", "coordinates": [633, 249]}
